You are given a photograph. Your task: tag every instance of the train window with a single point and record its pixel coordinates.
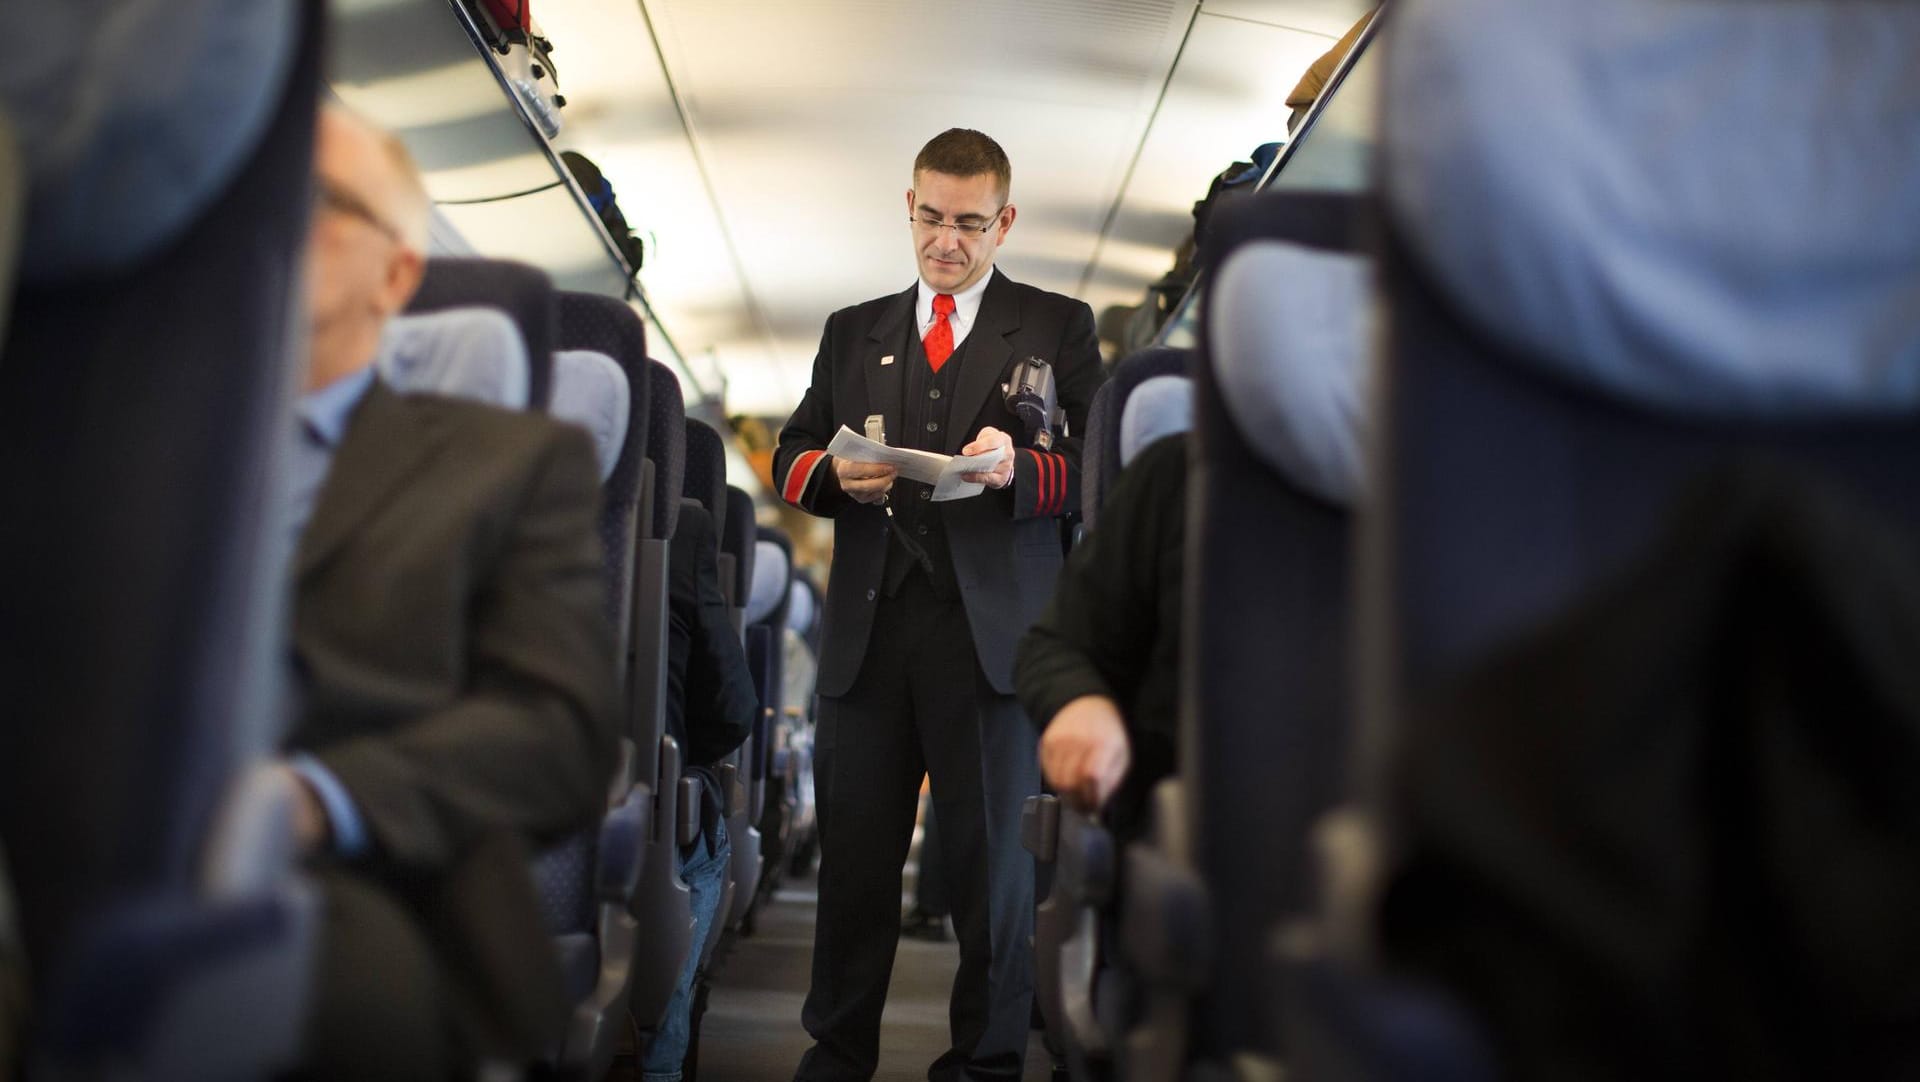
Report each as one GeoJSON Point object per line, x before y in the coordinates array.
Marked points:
{"type": "Point", "coordinates": [1332, 151]}
{"type": "Point", "coordinates": [1335, 152]}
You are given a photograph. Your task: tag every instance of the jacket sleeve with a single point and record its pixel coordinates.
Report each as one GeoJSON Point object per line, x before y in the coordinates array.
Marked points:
{"type": "Point", "coordinates": [802, 470]}
{"type": "Point", "coordinates": [1098, 632]}
{"type": "Point", "coordinates": [721, 701]}
{"type": "Point", "coordinates": [528, 746]}
{"type": "Point", "coordinates": [1046, 484]}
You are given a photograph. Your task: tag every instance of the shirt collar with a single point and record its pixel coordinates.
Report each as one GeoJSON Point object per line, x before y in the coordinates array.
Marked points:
{"type": "Point", "coordinates": [966, 303]}
{"type": "Point", "coordinates": [327, 410]}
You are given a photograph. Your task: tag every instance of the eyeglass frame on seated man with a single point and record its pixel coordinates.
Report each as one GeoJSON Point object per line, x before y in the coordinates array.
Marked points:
{"type": "Point", "coordinates": [973, 230]}
{"type": "Point", "coordinates": [337, 197]}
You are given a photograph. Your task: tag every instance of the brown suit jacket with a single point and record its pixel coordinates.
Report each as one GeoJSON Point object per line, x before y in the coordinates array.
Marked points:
{"type": "Point", "coordinates": [456, 667]}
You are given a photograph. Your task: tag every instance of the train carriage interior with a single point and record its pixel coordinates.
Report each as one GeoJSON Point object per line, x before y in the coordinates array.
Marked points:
{"type": "Point", "coordinates": [1491, 519]}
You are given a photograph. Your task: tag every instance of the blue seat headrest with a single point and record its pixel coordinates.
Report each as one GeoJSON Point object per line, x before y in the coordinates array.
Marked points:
{"type": "Point", "coordinates": [1291, 334]}
{"type": "Point", "coordinates": [474, 353]}
{"type": "Point", "coordinates": [771, 578]}
{"type": "Point", "coordinates": [133, 118]}
{"type": "Point", "coordinates": [1704, 207]}
{"type": "Point", "coordinates": [1161, 406]}
{"type": "Point", "coordinates": [799, 607]}
{"type": "Point", "coordinates": [590, 390]}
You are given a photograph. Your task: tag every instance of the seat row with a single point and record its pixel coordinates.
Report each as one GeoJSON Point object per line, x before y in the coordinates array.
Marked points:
{"type": "Point", "coordinates": [151, 907]}
{"type": "Point", "coordinates": [617, 907]}
{"type": "Point", "coordinates": [1545, 503]}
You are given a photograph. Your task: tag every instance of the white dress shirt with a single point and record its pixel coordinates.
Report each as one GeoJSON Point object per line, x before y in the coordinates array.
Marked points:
{"type": "Point", "coordinates": [966, 306]}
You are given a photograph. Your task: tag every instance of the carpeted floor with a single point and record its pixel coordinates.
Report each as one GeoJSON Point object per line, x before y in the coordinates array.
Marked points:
{"type": "Point", "coordinates": [752, 1030]}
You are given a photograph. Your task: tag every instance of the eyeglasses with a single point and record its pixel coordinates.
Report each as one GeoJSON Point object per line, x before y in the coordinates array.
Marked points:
{"type": "Point", "coordinates": [960, 229]}
{"type": "Point", "coordinates": [336, 198]}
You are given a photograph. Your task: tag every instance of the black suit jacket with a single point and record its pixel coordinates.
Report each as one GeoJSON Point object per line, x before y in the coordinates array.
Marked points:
{"type": "Point", "coordinates": [456, 670]}
{"type": "Point", "coordinates": [1005, 545]}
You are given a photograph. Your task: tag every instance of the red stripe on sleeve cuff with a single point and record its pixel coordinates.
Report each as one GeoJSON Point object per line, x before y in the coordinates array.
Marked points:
{"type": "Point", "coordinates": [799, 474]}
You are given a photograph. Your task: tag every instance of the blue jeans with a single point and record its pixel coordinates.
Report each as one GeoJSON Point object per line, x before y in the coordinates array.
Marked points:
{"type": "Point", "coordinates": [704, 868]}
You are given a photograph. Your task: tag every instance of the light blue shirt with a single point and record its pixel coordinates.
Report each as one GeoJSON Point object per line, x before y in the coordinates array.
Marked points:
{"type": "Point", "coordinates": [323, 417]}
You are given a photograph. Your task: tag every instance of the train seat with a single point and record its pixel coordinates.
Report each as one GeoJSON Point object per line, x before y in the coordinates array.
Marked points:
{"type": "Point", "coordinates": [1149, 396]}
{"type": "Point", "coordinates": [589, 884]}
{"type": "Point", "coordinates": [587, 321]}
{"type": "Point", "coordinates": [590, 390]}
{"type": "Point", "coordinates": [769, 793]}
{"type": "Point", "coordinates": [150, 844]}
{"type": "Point", "coordinates": [475, 353]}
{"type": "Point", "coordinates": [737, 538]}
{"type": "Point", "coordinates": [134, 118]}
{"type": "Point", "coordinates": [1274, 479]}
{"type": "Point", "coordinates": [665, 908]}
{"type": "Point", "coordinates": [524, 293]}
{"type": "Point", "coordinates": [1611, 346]}
{"type": "Point", "coordinates": [1160, 407]}
{"type": "Point", "coordinates": [1100, 455]}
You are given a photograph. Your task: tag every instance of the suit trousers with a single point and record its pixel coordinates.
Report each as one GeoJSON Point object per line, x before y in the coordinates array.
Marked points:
{"type": "Point", "coordinates": [922, 705]}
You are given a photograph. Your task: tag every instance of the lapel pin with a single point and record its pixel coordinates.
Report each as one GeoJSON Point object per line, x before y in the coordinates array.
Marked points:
{"type": "Point", "coordinates": [887, 360]}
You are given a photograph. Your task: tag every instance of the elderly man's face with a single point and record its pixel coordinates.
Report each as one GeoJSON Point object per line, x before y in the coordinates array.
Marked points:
{"type": "Point", "coordinates": [354, 249]}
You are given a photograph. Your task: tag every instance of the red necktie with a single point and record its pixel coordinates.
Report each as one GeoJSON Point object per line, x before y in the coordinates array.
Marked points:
{"type": "Point", "coordinates": [939, 340]}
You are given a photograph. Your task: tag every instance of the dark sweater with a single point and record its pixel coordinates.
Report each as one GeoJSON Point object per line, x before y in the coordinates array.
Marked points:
{"type": "Point", "coordinates": [1113, 626]}
{"type": "Point", "coordinates": [711, 702]}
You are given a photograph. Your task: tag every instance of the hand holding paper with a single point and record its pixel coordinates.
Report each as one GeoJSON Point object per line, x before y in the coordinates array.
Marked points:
{"type": "Point", "coordinates": [943, 472]}
{"type": "Point", "coordinates": [988, 441]}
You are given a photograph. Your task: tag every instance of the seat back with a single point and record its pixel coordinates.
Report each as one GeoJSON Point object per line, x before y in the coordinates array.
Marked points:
{"type": "Point", "coordinates": [589, 883]}
{"type": "Point", "coordinates": [706, 483]}
{"type": "Point", "coordinates": [473, 353]}
{"type": "Point", "coordinates": [664, 906]}
{"type": "Point", "coordinates": [737, 540]}
{"type": "Point", "coordinates": [1618, 363]}
{"type": "Point", "coordinates": [13, 205]}
{"type": "Point", "coordinates": [766, 616]}
{"type": "Point", "coordinates": [143, 632]}
{"type": "Point", "coordinates": [1158, 408]}
{"type": "Point", "coordinates": [769, 805]}
{"type": "Point", "coordinates": [590, 390]}
{"type": "Point", "coordinates": [737, 536]}
{"type": "Point", "coordinates": [588, 321]}
{"type": "Point", "coordinates": [1101, 457]}
{"type": "Point", "coordinates": [1268, 525]}
{"type": "Point", "coordinates": [524, 293]}
{"type": "Point", "coordinates": [666, 461]}
{"type": "Point", "coordinates": [1558, 375]}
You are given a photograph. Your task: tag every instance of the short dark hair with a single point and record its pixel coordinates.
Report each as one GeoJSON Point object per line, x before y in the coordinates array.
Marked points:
{"type": "Point", "coordinates": [963, 152]}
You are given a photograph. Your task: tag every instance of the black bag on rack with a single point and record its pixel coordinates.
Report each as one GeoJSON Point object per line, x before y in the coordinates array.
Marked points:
{"type": "Point", "coordinates": [606, 205]}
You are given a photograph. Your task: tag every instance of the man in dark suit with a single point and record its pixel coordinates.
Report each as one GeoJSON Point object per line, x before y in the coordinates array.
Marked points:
{"type": "Point", "coordinates": [923, 610]}
{"type": "Point", "coordinates": [453, 666]}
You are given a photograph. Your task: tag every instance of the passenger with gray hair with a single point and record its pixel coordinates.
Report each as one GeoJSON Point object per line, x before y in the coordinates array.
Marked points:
{"type": "Point", "coordinates": [451, 660]}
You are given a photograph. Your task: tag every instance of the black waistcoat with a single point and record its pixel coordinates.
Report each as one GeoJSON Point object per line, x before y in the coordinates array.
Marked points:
{"type": "Point", "coordinates": [925, 415]}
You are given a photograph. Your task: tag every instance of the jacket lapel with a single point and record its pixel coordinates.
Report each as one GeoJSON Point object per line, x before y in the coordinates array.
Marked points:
{"type": "Point", "coordinates": [891, 335]}
{"type": "Point", "coordinates": [983, 358]}
{"type": "Point", "coordinates": [383, 446]}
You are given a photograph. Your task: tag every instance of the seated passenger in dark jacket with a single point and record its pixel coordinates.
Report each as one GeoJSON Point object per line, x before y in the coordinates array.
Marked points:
{"type": "Point", "coordinates": [1100, 671]}
{"type": "Point", "coordinates": [452, 665]}
{"type": "Point", "coordinates": [711, 705]}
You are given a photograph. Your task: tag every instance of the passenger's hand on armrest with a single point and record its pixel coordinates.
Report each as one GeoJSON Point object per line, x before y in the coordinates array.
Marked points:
{"type": "Point", "coordinates": [866, 482]}
{"type": "Point", "coordinates": [1084, 752]}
